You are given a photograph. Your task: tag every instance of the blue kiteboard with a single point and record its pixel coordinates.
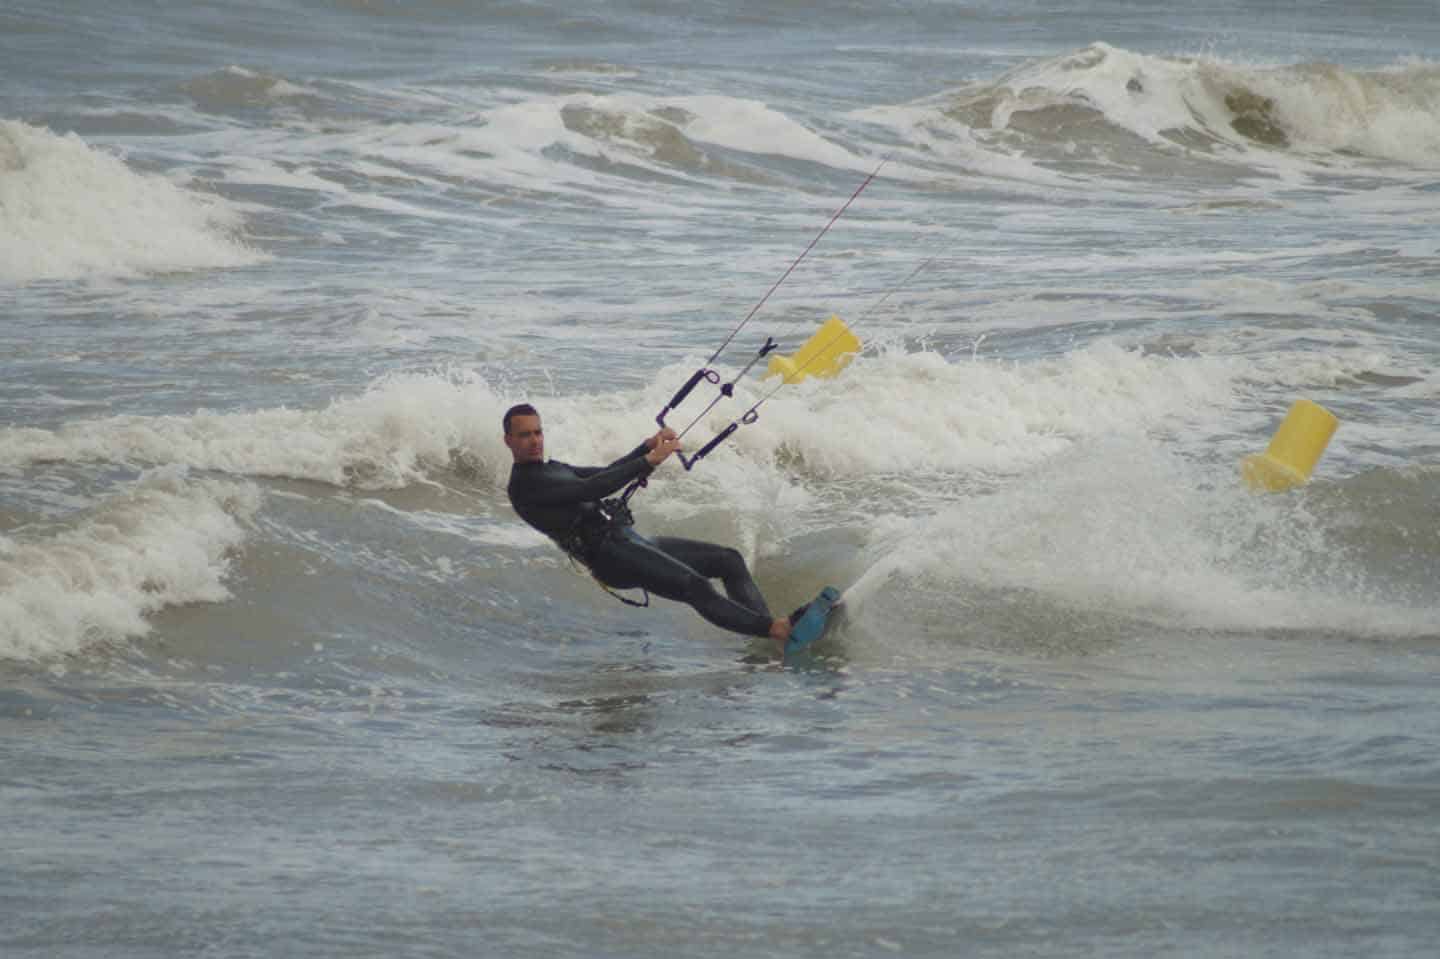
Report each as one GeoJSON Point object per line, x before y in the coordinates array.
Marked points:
{"type": "Point", "coordinates": [811, 624]}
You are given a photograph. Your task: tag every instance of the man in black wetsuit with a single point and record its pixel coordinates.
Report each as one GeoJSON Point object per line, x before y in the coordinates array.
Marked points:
{"type": "Point", "coordinates": [565, 503]}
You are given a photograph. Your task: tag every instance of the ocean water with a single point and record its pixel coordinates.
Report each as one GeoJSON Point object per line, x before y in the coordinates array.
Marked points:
{"type": "Point", "coordinates": [281, 674]}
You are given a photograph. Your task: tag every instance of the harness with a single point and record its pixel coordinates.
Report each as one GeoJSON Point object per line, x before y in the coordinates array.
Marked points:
{"type": "Point", "coordinates": [596, 525]}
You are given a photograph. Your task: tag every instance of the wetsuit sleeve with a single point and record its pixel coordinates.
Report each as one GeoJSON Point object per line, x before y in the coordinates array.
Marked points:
{"type": "Point", "coordinates": [636, 453]}
{"type": "Point", "coordinates": [586, 487]}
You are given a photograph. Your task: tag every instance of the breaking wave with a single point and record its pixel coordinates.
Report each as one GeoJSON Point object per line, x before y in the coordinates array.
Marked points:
{"type": "Point", "coordinates": [69, 210]}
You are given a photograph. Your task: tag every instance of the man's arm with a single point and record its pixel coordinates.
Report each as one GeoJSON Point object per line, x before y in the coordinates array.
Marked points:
{"type": "Point", "coordinates": [635, 454]}
{"type": "Point", "coordinates": [568, 486]}
{"type": "Point", "coordinates": [646, 446]}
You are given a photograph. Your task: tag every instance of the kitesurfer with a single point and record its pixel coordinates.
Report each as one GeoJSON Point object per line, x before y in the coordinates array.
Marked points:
{"type": "Point", "coordinates": [569, 504]}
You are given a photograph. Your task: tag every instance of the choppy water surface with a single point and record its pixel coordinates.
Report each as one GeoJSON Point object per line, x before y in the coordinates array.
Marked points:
{"type": "Point", "coordinates": [282, 674]}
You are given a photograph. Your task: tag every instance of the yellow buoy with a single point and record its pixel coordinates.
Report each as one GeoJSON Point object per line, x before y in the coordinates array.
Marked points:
{"type": "Point", "coordinates": [824, 354]}
{"type": "Point", "coordinates": [1293, 451]}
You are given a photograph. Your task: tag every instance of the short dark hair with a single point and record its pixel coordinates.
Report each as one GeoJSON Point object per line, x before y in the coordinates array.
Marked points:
{"type": "Point", "coordinates": [519, 409]}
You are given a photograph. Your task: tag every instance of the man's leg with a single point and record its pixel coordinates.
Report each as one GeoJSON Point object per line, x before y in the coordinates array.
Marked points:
{"type": "Point", "coordinates": [717, 562]}
{"type": "Point", "coordinates": [630, 561]}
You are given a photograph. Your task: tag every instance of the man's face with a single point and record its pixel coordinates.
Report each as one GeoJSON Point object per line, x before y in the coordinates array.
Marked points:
{"type": "Point", "coordinates": [526, 439]}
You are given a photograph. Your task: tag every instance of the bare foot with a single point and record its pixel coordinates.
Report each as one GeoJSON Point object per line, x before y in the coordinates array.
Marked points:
{"type": "Point", "coordinates": [780, 631]}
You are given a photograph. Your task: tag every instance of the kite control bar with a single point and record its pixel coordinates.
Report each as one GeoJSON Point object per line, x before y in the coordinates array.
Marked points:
{"type": "Point", "coordinates": [726, 390]}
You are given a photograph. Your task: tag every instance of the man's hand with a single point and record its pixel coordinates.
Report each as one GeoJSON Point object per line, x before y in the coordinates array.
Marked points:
{"type": "Point", "coordinates": [663, 446]}
{"type": "Point", "coordinates": [665, 434]}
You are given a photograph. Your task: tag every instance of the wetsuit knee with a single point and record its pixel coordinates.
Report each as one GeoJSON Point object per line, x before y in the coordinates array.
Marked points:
{"type": "Point", "coordinates": [734, 563]}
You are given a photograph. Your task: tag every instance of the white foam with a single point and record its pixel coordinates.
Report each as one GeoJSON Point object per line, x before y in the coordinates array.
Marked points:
{"type": "Point", "coordinates": [165, 541]}
{"type": "Point", "coordinates": [908, 412]}
{"type": "Point", "coordinates": [530, 144]}
{"type": "Point", "coordinates": [889, 413]}
{"type": "Point", "coordinates": [921, 412]}
{"type": "Point", "coordinates": [386, 437]}
{"type": "Point", "coordinates": [1101, 76]}
{"type": "Point", "coordinates": [69, 210]}
{"type": "Point", "coordinates": [753, 127]}
{"type": "Point", "coordinates": [250, 170]}
{"type": "Point", "coordinates": [505, 147]}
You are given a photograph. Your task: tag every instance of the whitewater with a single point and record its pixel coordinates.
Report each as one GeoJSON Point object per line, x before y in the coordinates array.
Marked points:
{"type": "Point", "coordinates": [282, 673]}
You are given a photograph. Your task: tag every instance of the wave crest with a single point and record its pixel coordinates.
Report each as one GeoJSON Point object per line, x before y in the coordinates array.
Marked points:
{"type": "Point", "coordinates": [68, 210]}
{"type": "Point", "coordinates": [166, 541]}
{"type": "Point", "coordinates": [1100, 101]}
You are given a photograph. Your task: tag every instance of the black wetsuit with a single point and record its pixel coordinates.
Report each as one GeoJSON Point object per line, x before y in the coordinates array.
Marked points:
{"type": "Point", "coordinates": [564, 503]}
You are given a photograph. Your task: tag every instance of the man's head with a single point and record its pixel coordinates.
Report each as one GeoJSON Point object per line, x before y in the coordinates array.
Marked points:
{"type": "Point", "coordinates": [523, 434]}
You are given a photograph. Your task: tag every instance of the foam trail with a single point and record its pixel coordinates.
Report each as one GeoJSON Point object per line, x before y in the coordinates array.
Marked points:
{"type": "Point", "coordinates": [1127, 529]}
{"type": "Point", "coordinates": [869, 582]}
{"type": "Point", "coordinates": [165, 541]}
